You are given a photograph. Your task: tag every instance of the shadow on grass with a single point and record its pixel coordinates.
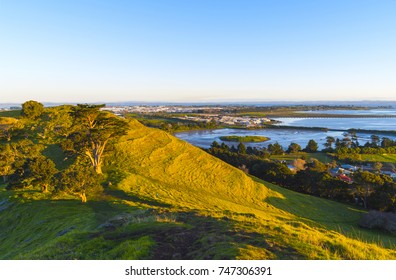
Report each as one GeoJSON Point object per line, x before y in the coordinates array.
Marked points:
{"type": "Point", "coordinates": [120, 194]}
{"type": "Point", "coordinates": [189, 235]}
{"type": "Point", "coordinates": [329, 215]}
{"type": "Point", "coordinates": [69, 229]}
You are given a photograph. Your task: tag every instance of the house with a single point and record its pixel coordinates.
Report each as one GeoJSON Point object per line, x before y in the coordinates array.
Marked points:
{"type": "Point", "coordinates": [350, 167]}
{"type": "Point", "coordinates": [338, 170]}
{"type": "Point", "coordinates": [345, 178]}
{"type": "Point", "coordinates": [292, 168]}
{"type": "Point", "coordinates": [390, 174]}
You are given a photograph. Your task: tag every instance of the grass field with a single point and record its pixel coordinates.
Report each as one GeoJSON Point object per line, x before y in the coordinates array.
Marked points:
{"type": "Point", "coordinates": [170, 200]}
{"type": "Point", "coordinates": [322, 157]}
{"type": "Point", "coordinates": [11, 113]}
{"type": "Point", "coordinates": [236, 138]}
{"type": "Point", "coordinates": [379, 158]}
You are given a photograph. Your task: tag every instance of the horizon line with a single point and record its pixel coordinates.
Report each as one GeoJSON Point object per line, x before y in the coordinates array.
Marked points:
{"type": "Point", "coordinates": [245, 101]}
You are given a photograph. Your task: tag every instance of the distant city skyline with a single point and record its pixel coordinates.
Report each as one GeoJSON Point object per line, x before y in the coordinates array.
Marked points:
{"type": "Point", "coordinates": [197, 51]}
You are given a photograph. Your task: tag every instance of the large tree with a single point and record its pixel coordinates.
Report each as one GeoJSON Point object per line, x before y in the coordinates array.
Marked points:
{"type": "Point", "coordinates": [79, 180]}
{"type": "Point", "coordinates": [55, 121]}
{"type": "Point", "coordinates": [32, 109]}
{"type": "Point", "coordinates": [92, 131]}
{"type": "Point", "coordinates": [42, 170]}
{"type": "Point", "coordinates": [365, 184]}
{"type": "Point", "coordinates": [23, 153]}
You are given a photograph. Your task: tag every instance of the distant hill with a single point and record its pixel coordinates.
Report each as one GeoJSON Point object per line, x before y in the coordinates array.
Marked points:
{"type": "Point", "coordinates": [166, 199]}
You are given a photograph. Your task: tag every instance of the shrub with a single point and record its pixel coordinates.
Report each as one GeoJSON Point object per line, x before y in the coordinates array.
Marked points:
{"type": "Point", "coordinates": [379, 220]}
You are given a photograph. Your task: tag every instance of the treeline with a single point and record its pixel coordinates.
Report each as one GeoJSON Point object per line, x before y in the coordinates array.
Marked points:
{"type": "Point", "coordinates": [345, 148]}
{"type": "Point", "coordinates": [373, 191]}
{"type": "Point", "coordinates": [349, 149]}
{"type": "Point", "coordinates": [350, 142]}
{"type": "Point", "coordinates": [174, 124]}
{"type": "Point", "coordinates": [266, 152]}
{"type": "Point", "coordinates": [82, 133]}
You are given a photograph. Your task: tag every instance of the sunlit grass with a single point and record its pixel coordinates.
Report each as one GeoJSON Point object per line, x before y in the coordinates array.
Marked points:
{"type": "Point", "coordinates": [323, 157]}
{"type": "Point", "coordinates": [170, 200]}
{"type": "Point", "coordinates": [379, 158]}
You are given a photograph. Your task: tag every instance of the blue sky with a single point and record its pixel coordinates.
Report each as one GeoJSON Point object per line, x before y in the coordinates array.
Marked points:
{"type": "Point", "coordinates": [202, 50]}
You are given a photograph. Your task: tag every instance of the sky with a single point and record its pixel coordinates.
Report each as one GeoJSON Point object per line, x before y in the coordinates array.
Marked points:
{"type": "Point", "coordinates": [197, 50]}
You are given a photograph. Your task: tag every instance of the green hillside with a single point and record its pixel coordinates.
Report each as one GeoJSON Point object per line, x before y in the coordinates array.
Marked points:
{"type": "Point", "coordinates": [166, 199]}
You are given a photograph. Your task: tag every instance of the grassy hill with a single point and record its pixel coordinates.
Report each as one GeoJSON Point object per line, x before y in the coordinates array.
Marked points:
{"type": "Point", "coordinates": [166, 199]}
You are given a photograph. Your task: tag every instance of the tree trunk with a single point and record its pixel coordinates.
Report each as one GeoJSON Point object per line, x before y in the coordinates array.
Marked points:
{"type": "Point", "coordinates": [365, 202]}
{"type": "Point", "coordinates": [97, 162]}
{"type": "Point", "coordinates": [44, 188]}
{"type": "Point", "coordinates": [96, 159]}
{"type": "Point", "coordinates": [366, 195]}
{"type": "Point", "coordinates": [98, 168]}
{"type": "Point", "coordinates": [83, 197]}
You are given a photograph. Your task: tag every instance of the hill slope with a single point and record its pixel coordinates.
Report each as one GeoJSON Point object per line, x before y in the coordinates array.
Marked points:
{"type": "Point", "coordinates": [169, 200]}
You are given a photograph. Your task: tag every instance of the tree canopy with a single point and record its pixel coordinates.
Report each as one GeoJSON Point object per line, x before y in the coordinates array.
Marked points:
{"type": "Point", "coordinates": [79, 180]}
{"type": "Point", "coordinates": [312, 146]}
{"type": "Point", "coordinates": [32, 109]}
{"type": "Point", "coordinates": [92, 129]}
{"type": "Point", "coordinates": [42, 170]}
{"type": "Point", "coordinates": [294, 148]}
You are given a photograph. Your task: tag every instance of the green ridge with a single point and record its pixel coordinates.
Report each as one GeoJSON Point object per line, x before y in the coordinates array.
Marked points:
{"type": "Point", "coordinates": [170, 200]}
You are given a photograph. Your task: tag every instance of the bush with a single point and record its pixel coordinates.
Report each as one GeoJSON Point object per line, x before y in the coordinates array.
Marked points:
{"type": "Point", "coordinates": [379, 220]}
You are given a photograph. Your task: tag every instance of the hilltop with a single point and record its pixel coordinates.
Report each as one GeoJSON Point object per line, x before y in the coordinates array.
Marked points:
{"type": "Point", "coordinates": [166, 199]}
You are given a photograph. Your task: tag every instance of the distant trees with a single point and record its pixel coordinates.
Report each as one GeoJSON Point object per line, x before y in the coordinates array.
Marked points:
{"type": "Point", "coordinates": [386, 142]}
{"type": "Point", "coordinates": [241, 148]}
{"type": "Point", "coordinates": [294, 148]}
{"type": "Point", "coordinates": [345, 142]}
{"type": "Point", "coordinates": [377, 166]}
{"type": "Point", "coordinates": [275, 149]}
{"type": "Point", "coordinates": [312, 146]}
{"type": "Point", "coordinates": [375, 139]}
{"type": "Point", "coordinates": [215, 144]}
{"type": "Point", "coordinates": [32, 109]}
{"type": "Point", "coordinates": [92, 130]}
{"type": "Point", "coordinates": [329, 142]}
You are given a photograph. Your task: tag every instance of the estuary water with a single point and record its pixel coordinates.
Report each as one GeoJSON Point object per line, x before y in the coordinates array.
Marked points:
{"type": "Point", "coordinates": [373, 112]}
{"type": "Point", "coordinates": [285, 136]}
{"type": "Point", "coordinates": [204, 138]}
{"type": "Point", "coordinates": [342, 123]}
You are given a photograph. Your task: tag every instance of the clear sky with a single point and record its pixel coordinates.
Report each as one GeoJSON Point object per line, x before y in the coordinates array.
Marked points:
{"type": "Point", "coordinates": [197, 50]}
